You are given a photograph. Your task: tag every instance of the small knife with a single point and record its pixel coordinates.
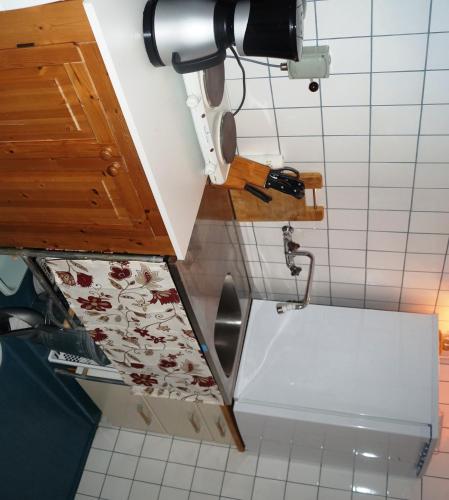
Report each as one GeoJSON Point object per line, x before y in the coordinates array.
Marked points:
{"type": "Point", "coordinates": [287, 184]}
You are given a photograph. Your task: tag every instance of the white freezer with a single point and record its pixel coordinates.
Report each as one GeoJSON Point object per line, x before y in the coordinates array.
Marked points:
{"type": "Point", "coordinates": [342, 379]}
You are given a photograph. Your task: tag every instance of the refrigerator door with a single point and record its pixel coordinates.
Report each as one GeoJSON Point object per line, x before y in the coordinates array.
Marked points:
{"type": "Point", "coordinates": [370, 369]}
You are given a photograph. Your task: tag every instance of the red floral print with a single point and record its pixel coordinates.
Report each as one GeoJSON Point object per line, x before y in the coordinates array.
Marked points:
{"type": "Point", "coordinates": [158, 340]}
{"type": "Point", "coordinates": [167, 363]}
{"type": "Point", "coordinates": [94, 304]}
{"type": "Point", "coordinates": [66, 278]}
{"type": "Point", "coordinates": [98, 335]}
{"type": "Point", "coordinates": [142, 332]}
{"type": "Point", "coordinates": [120, 273]}
{"type": "Point", "coordinates": [137, 365]}
{"type": "Point", "coordinates": [141, 379]}
{"type": "Point", "coordinates": [203, 381]}
{"type": "Point", "coordinates": [84, 280]}
{"type": "Point", "coordinates": [189, 333]}
{"type": "Point", "coordinates": [165, 296]}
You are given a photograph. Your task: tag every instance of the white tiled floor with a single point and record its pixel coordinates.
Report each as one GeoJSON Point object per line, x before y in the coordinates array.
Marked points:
{"type": "Point", "coordinates": [125, 465]}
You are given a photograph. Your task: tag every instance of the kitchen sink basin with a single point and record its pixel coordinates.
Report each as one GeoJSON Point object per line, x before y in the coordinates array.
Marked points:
{"type": "Point", "coordinates": [228, 326]}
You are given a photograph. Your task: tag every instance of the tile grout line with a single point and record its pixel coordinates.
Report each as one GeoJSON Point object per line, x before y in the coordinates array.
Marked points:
{"type": "Point", "coordinates": [109, 463]}
{"type": "Point", "coordinates": [445, 262]}
{"type": "Point", "coordinates": [417, 147]}
{"type": "Point", "coordinates": [369, 152]}
{"type": "Point", "coordinates": [165, 468]}
{"type": "Point", "coordinates": [324, 162]}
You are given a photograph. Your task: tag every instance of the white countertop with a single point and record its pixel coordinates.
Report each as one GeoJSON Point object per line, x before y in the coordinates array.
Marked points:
{"type": "Point", "coordinates": [153, 103]}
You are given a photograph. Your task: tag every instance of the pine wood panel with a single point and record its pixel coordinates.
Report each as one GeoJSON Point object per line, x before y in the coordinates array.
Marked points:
{"type": "Point", "coordinates": [45, 25]}
{"type": "Point", "coordinates": [71, 177]}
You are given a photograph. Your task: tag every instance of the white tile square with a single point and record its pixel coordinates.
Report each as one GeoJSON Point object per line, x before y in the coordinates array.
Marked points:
{"type": "Point", "coordinates": [433, 149]}
{"type": "Point", "coordinates": [349, 55]}
{"type": "Point", "coordinates": [445, 283]}
{"type": "Point", "coordinates": [444, 438]}
{"type": "Point", "coordinates": [403, 487]}
{"type": "Point", "coordinates": [352, 120]}
{"type": "Point", "coordinates": [435, 488]}
{"type": "Point", "coordinates": [440, 16]}
{"type": "Point", "coordinates": [144, 491]}
{"type": "Point", "coordinates": [98, 461]}
{"type": "Point", "coordinates": [207, 481]}
{"type": "Point", "coordinates": [276, 271]}
{"type": "Point", "coordinates": [388, 220]}
{"type": "Point", "coordinates": [347, 219]}
{"type": "Point", "coordinates": [252, 70]}
{"type": "Point", "coordinates": [427, 243]}
{"type": "Point", "coordinates": [432, 175]}
{"type": "Point", "coordinates": [122, 465]}
{"type": "Point", "coordinates": [428, 200]}
{"type": "Point", "coordinates": [258, 146]}
{"type": "Point", "coordinates": [424, 297]}
{"type": "Point", "coordinates": [399, 53]}
{"type": "Point", "coordinates": [295, 491]}
{"type": "Point", "coordinates": [416, 308]}
{"type": "Point", "coordinates": [281, 286]}
{"type": "Point", "coordinates": [246, 235]}
{"type": "Point", "coordinates": [129, 442]}
{"type": "Point", "coordinates": [387, 241]}
{"type": "Point", "coordinates": [400, 16]}
{"type": "Point", "coordinates": [105, 438]}
{"type": "Point", "coordinates": [344, 174]}
{"type": "Point", "coordinates": [430, 222]}
{"type": "Point", "coordinates": [347, 148]}
{"type": "Point", "coordinates": [237, 486]}
{"type": "Point", "coordinates": [309, 22]}
{"type": "Point", "coordinates": [444, 393]}
{"type": "Point", "coordinates": [346, 90]}
{"type": "Point", "coordinates": [390, 198]}
{"type": "Point", "coordinates": [116, 488]}
{"type": "Point", "coordinates": [392, 174]}
{"type": "Point", "coordinates": [173, 494]}
{"type": "Point", "coordinates": [150, 470]}
{"type": "Point", "coordinates": [336, 471]}
{"type": "Point", "coordinates": [330, 494]}
{"type": "Point", "coordinates": [334, 22]}
{"type": "Point", "coordinates": [202, 496]}
{"type": "Point", "coordinates": [347, 275]}
{"type": "Point", "coordinates": [429, 281]}
{"type": "Point", "coordinates": [256, 123]}
{"type": "Point", "coordinates": [381, 306]}
{"type": "Point", "coordinates": [395, 120]}
{"type": "Point", "coordinates": [299, 121]}
{"type": "Point", "coordinates": [438, 56]}
{"type": "Point", "coordinates": [178, 476]}
{"type": "Point", "coordinates": [268, 489]}
{"type": "Point", "coordinates": [345, 291]}
{"type": "Point", "coordinates": [348, 258]}
{"type": "Point", "coordinates": [386, 260]}
{"type": "Point", "coordinates": [91, 483]}
{"type": "Point", "coordinates": [213, 457]}
{"type": "Point", "coordinates": [157, 447]}
{"type": "Point", "coordinates": [78, 496]}
{"type": "Point", "coordinates": [258, 93]}
{"type": "Point", "coordinates": [383, 293]}
{"type": "Point", "coordinates": [242, 463]}
{"type": "Point", "coordinates": [370, 475]}
{"type": "Point", "coordinates": [427, 263]}
{"type": "Point", "coordinates": [347, 197]}
{"type": "Point", "coordinates": [302, 149]}
{"type": "Point", "coordinates": [355, 240]}
{"type": "Point", "coordinates": [437, 87]}
{"type": "Point", "coordinates": [366, 496]}
{"type": "Point", "coordinates": [293, 94]}
{"type": "Point", "coordinates": [271, 465]}
{"type": "Point", "coordinates": [397, 88]}
{"type": "Point", "coordinates": [184, 452]}
{"type": "Point", "coordinates": [305, 464]}
{"type": "Point", "coordinates": [393, 148]}
{"type": "Point", "coordinates": [378, 277]}
{"type": "Point", "coordinates": [443, 300]}
{"type": "Point", "coordinates": [435, 119]}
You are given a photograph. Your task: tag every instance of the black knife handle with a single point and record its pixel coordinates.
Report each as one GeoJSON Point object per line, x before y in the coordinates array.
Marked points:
{"type": "Point", "coordinates": [258, 194]}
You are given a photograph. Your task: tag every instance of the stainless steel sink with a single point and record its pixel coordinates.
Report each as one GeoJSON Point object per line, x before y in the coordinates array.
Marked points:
{"type": "Point", "coordinates": [228, 325]}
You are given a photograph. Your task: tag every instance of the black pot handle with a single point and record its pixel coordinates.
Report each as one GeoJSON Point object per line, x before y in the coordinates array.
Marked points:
{"type": "Point", "coordinates": [206, 62]}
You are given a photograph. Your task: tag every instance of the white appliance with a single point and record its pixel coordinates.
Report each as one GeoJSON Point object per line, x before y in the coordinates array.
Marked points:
{"type": "Point", "coordinates": [343, 381]}
{"type": "Point", "coordinates": [214, 122]}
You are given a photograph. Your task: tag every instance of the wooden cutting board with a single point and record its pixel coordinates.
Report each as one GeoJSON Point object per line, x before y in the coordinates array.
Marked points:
{"type": "Point", "coordinates": [248, 208]}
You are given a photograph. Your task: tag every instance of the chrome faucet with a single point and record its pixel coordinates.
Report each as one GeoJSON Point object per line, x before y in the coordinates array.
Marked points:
{"type": "Point", "coordinates": [291, 250]}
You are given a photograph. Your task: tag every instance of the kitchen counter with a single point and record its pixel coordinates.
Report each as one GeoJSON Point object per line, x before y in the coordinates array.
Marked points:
{"type": "Point", "coordinates": [153, 103]}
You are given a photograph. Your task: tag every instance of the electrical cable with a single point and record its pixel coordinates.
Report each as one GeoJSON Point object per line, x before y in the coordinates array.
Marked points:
{"type": "Point", "coordinates": [237, 58]}
{"type": "Point", "coordinates": [259, 62]}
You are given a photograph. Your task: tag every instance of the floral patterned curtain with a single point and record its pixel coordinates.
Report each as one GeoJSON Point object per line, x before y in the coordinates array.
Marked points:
{"type": "Point", "coordinates": [133, 311]}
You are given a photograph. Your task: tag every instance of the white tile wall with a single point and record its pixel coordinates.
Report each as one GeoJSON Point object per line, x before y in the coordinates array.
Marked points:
{"type": "Point", "coordinates": [378, 131]}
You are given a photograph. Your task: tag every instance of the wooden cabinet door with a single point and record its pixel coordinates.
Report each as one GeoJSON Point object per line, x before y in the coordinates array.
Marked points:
{"type": "Point", "coordinates": [70, 176]}
{"type": "Point", "coordinates": [180, 418]}
{"type": "Point", "coordinates": [121, 408]}
{"type": "Point", "coordinates": [216, 423]}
